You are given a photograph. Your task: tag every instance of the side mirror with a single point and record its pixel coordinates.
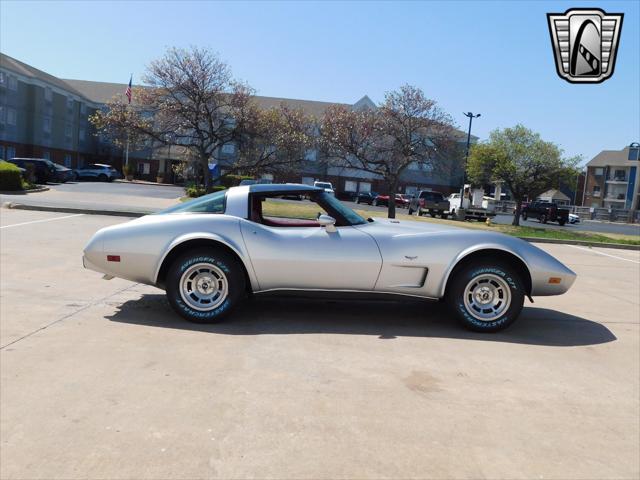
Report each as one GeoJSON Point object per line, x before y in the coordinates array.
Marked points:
{"type": "Point", "coordinates": [328, 222]}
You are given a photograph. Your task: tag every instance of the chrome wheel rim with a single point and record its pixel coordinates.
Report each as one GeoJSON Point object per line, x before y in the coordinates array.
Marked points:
{"type": "Point", "coordinates": [487, 297]}
{"type": "Point", "coordinates": [204, 287]}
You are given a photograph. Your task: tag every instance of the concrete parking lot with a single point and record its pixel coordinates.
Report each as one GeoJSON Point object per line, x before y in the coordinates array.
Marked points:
{"type": "Point", "coordinates": [99, 379]}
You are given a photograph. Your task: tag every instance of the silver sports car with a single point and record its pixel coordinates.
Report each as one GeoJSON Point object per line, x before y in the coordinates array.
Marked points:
{"type": "Point", "coordinates": [209, 253]}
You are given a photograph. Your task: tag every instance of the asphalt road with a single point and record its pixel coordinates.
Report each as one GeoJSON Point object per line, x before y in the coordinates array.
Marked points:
{"type": "Point", "coordinates": [99, 379]}
{"type": "Point", "coordinates": [150, 198]}
{"type": "Point", "coordinates": [120, 188]}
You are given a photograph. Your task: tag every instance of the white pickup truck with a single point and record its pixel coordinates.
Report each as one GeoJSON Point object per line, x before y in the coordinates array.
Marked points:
{"type": "Point", "coordinates": [474, 204]}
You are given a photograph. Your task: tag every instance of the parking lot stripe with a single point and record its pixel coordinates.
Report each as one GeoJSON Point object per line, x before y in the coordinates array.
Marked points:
{"type": "Point", "coordinates": [45, 220]}
{"type": "Point", "coordinates": [602, 253]}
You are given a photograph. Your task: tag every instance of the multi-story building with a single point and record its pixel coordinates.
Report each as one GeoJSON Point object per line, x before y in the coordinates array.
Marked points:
{"type": "Point", "coordinates": [47, 117]}
{"type": "Point", "coordinates": [612, 180]}
{"type": "Point", "coordinates": [42, 116]}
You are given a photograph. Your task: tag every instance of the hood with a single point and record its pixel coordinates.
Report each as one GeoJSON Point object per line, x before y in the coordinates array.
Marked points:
{"type": "Point", "coordinates": [404, 227]}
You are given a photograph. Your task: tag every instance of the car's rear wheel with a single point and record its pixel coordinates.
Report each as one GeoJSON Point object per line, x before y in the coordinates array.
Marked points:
{"type": "Point", "coordinates": [205, 285]}
{"type": "Point", "coordinates": [432, 213]}
{"type": "Point", "coordinates": [102, 177]}
{"type": "Point", "coordinates": [542, 218]}
{"type": "Point", "coordinates": [486, 296]}
{"type": "Point", "coordinates": [562, 222]}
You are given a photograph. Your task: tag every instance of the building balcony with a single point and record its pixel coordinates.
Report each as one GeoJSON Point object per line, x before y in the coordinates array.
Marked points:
{"type": "Point", "coordinates": [615, 198]}
{"type": "Point", "coordinates": [618, 180]}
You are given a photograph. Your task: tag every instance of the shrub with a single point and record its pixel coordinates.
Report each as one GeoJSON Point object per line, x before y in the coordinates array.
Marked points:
{"type": "Point", "coordinates": [10, 178]}
{"type": "Point", "coordinates": [229, 181]}
{"type": "Point", "coordinates": [129, 168]}
{"type": "Point", "coordinates": [194, 191]}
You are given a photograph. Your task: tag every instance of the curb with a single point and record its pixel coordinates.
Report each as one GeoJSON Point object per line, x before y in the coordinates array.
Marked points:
{"type": "Point", "coordinates": [582, 243]}
{"type": "Point", "coordinates": [40, 208]}
{"type": "Point", "coordinates": [23, 192]}
{"type": "Point", "coordinates": [144, 182]}
{"type": "Point", "coordinates": [132, 214]}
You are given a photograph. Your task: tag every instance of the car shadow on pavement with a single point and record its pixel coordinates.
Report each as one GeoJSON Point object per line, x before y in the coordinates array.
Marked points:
{"type": "Point", "coordinates": [384, 319]}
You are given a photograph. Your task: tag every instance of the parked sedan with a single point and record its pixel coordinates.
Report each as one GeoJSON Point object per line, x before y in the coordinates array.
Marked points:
{"type": "Point", "coordinates": [383, 201]}
{"type": "Point", "coordinates": [97, 171]}
{"type": "Point", "coordinates": [63, 174]}
{"type": "Point", "coordinates": [212, 252]}
{"type": "Point", "coordinates": [366, 197]}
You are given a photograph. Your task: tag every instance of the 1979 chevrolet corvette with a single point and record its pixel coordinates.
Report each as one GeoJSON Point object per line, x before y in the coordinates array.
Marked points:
{"type": "Point", "coordinates": [210, 252]}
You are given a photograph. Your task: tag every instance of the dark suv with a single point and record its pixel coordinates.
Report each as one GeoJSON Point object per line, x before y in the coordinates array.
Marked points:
{"type": "Point", "coordinates": [43, 170]}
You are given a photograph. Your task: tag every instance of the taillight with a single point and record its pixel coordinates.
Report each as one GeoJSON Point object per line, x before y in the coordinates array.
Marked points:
{"type": "Point", "coordinates": [113, 258]}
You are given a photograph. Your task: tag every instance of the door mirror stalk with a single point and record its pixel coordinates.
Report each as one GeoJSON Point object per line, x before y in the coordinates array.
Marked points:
{"type": "Point", "coordinates": [328, 222]}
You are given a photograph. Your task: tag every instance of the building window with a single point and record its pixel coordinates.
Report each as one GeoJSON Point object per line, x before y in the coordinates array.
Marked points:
{"type": "Point", "coordinates": [598, 171]}
{"type": "Point", "coordinates": [307, 180]}
{"type": "Point", "coordinates": [13, 82]}
{"type": "Point", "coordinates": [81, 134]}
{"type": "Point", "coordinates": [69, 103]}
{"type": "Point", "coordinates": [596, 190]}
{"type": "Point", "coordinates": [46, 124]}
{"type": "Point", "coordinates": [311, 155]}
{"type": "Point", "coordinates": [11, 152]}
{"type": "Point", "coordinates": [68, 130]}
{"type": "Point", "coordinates": [228, 148]}
{"type": "Point", "coordinates": [365, 187]}
{"type": "Point", "coordinates": [12, 116]}
{"type": "Point", "coordinates": [3, 78]}
{"type": "Point", "coordinates": [144, 168]}
{"type": "Point", "coordinates": [48, 94]}
{"type": "Point", "coordinates": [619, 175]}
{"type": "Point", "coordinates": [414, 166]}
{"type": "Point", "coordinates": [2, 157]}
{"type": "Point", "coordinates": [67, 160]}
{"type": "Point", "coordinates": [3, 115]}
{"type": "Point", "coordinates": [46, 155]}
{"type": "Point", "coordinates": [83, 108]}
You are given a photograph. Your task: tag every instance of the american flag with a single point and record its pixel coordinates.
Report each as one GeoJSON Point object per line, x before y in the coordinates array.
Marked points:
{"type": "Point", "coordinates": [127, 92]}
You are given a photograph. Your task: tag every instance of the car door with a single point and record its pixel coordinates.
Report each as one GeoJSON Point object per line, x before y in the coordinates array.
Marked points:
{"type": "Point", "coordinates": [310, 258]}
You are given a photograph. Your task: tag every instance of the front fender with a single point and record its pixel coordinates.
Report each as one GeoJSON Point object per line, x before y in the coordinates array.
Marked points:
{"type": "Point", "coordinates": [471, 250]}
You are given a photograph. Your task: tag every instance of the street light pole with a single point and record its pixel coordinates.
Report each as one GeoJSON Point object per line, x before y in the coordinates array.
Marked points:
{"type": "Point", "coordinates": [471, 116]}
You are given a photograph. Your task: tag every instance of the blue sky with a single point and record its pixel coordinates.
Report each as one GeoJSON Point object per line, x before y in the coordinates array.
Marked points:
{"type": "Point", "coordinates": [489, 57]}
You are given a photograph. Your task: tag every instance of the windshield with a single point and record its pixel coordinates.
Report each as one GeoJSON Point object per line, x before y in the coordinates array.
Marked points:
{"type": "Point", "coordinates": [333, 203]}
{"type": "Point", "coordinates": [212, 203]}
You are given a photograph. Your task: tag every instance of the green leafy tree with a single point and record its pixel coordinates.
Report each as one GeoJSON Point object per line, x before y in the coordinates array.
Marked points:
{"type": "Point", "coordinates": [525, 163]}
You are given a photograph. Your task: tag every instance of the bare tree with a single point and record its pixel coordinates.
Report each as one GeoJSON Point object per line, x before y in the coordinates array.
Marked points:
{"type": "Point", "coordinates": [190, 99]}
{"type": "Point", "coordinates": [273, 140]}
{"type": "Point", "coordinates": [406, 129]}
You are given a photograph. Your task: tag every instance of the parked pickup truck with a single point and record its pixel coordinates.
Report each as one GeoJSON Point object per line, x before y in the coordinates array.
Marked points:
{"type": "Point", "coordinates": [429, 202]}
{"type": "Point", "coordinates": [546, 212]}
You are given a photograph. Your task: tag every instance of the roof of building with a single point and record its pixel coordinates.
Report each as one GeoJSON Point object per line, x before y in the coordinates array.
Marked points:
{"type": "Point", "coordinates": [102, 92]}
{"type": "Point", "coordinates": [21, 68]}
{"type": "Point", "coordinates": [554, 195]}
{"type": "Point", "coordinates": [617, 158]}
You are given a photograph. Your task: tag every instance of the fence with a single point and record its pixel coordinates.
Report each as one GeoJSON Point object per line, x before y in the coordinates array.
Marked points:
{"type": "Point", "coordinates": [585, 213]}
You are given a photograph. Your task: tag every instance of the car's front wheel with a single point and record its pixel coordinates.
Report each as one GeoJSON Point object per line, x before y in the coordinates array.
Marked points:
{"type": "Point", "coordinates": [486, 296]}
{"type": "Point", "coordinates": [205, 285]}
